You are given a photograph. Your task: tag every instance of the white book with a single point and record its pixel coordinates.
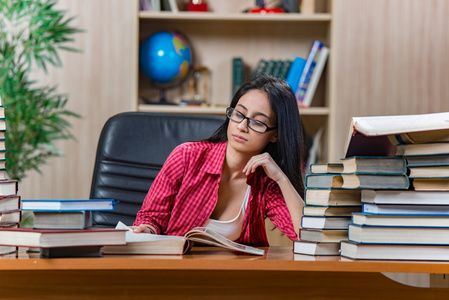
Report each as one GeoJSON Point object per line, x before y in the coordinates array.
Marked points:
{"type": "Point", "coordinates": [315, 78]}
{"type": "Point", "coordinates": [405, 197]}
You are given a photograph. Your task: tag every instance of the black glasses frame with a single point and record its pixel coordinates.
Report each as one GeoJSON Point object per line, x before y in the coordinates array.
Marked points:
{"type": "Point", "coordinates": [229, 112]}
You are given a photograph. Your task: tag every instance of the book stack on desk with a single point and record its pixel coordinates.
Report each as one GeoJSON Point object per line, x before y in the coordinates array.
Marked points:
{"type": "Point", "coordinates": [327, 211]}
{"type": "Point", "coordinates": [10, 215]}
{"type": "Point", "coordinates": [410, 224]}
{"type": "Point", "coordinates": [63, 228]}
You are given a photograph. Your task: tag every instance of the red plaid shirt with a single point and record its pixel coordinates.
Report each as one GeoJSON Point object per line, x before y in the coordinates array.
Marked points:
{"type": "Point", "coordinates": [185, 192]}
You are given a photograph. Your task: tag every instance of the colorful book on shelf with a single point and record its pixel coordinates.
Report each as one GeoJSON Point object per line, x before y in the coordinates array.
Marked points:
{"type": "Point", "coordinates": [260, 67]}
{"type": "Point", "coordinates": [409, 197]}
{"type": "Point", "coordinates": [372, 136]}
{"type": "Point", "coordinates": [68, 204]}
{"type": "Point", "coordinates": [363, 219]}
{"type": "Point", "coordinates": [323, 235]}
{"type": "Point", "coordinates": [143, 243]}
{"type": "Point", "coordinates": [394, 252]}
{"type": "Point", "coordinates": [314, 248]}
{"type": "Point", "coordinates": [398, 235]}
{"type": "Point", "coordinates": [374, 165]}
{"type": "Point", "coordinates": [324, 222]}
{"type": "Point", "coordinates": [284, 71]}
{"type": "Point", "coordinates": [405, 209]}
{"type": "Point", "coordinates": [315, 78]}
{"type": "Point", "coordinates": [277, 68]}
{"type": "Point", "coordinates": [375, 181]}
{"type": "Point", "coordinates": [62, 220]}
{"type": "Point", "coordinates": [323, 168]}
{"type": "Point", "coordinates": [294, 73]}
{"type": "Point", "coordinates": [237, 74]}
{"type": "Point", "coordinates": [309, 68]}
{"type": "Point", "coordinates": [48, 238]}
{"type": "Point", "coordinates": [332, 197]}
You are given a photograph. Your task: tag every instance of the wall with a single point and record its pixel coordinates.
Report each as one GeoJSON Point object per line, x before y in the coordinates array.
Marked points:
{"type": "Point", "coordinates": [100, 82]}
{"type": "Point", "coordinates": [389, 57]}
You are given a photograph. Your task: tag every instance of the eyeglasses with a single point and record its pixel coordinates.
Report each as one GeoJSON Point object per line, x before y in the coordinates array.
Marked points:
{"type": "Point", "coordinates": [236, 116]}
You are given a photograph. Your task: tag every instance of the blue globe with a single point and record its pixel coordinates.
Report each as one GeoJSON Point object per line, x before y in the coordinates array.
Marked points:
{"type": "Point", "coordinates": [165, 57]}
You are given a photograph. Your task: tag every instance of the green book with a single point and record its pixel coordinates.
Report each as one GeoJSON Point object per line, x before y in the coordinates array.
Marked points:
{"type": "Point", "coordinates": [237, 74]}
{"type": "Point", "coordinates": [260, 67]}
{"type": "Point", "coordinates": [285, 68]}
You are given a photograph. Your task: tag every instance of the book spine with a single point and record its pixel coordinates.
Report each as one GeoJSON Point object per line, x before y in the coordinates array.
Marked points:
{"type": "Point", "coordinates": [285, 69]}
{"type": "Point", "coordinates": [308, 70]}
{"type": "Point", "coordinates": [294, 73]}
{"type": "Point", "coordinates": [316, 75]}
{"type": "Point", "coordinates": [237, 71]}
{"type": "Point", "coordinates": [260, 67]}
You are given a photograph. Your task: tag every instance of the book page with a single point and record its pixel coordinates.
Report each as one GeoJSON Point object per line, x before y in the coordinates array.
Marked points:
{"type": "Point", "coordinates": [144, 237]}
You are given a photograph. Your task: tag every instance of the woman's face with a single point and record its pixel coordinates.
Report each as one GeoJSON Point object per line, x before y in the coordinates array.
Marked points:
{"type": "Point", "coordinates": [254, 104]}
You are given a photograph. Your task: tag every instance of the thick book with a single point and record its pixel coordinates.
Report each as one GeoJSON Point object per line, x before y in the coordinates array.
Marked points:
{"type": "Point", "coordinates": [423, 149]}
{"type": "Point", "coordinates": [237, 74]}
{"type": "Point", "coordinates": [405, 209]}
{"type": "Point", "coordinates": [8, 187]}
{"type": "Point", "coordinates": [68, 204]}
{"type": "Point", "coordinates": [10, 217]}
{"type": "Point", "coordinates": [340, 211]}
{"type": "Point", "coordinates": [323, 181]}
{"type": "Point", "coordinates": [294, 73]}
{"type": "Point", "coordinates": [400, 220]}
{"type": "Point", "coordinates": [427, 160]}
{"type": "Point", "coordinates": [372, 136]}
{"type": "Point", "coordinates": [394, 252]}
{"type": "Point", "coordinates": [405, 197]}
{"type": "Point", "coordinates": [144, 243]}
{"type": "Point", "coordinates": [374, 165]}
{"type": "Point", "coordinates": [62, 220]}
{"type": "Point", "coordinates": [77, 251]}
{"type": "Point", "coordinates": [326, 168]}
{"type": "Point", "coordinates": [309, 68]}
{"type": "Point", "coordinates": [314, 248]}
{"type": "Point", "coordinates": [315, 78]}
{"type": "Point", "coordinates": [9, 203]}
{"type": "Point", "coordinates": [332, 197]}
{"type": "Point", "coordinates": [323, 235]}
{"type": "Point", "coordinates": [430, 184]}
{"type": "Point", "coordinates": [375, 181]}
{"type": "Point", "coordinates": [312, 222]}
{"type": "Point", "coordinates": [49, 238]}
{"type": "Point", "coordinates": [398, 235]}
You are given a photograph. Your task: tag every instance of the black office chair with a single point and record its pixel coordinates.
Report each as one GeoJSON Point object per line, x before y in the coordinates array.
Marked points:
{"type": "Point", "coordinates": [132, 148]}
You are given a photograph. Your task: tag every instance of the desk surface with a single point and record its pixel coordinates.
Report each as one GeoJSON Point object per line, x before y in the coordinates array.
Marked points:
{"type": "Point", "coordinates": [211, 258]}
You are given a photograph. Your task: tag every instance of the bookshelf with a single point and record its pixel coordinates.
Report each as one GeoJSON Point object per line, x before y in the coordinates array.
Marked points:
{"type": "Point", "coordinates": [217, 37]}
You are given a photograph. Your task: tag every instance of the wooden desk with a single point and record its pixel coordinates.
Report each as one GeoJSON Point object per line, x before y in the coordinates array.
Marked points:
{"type": "Point", "coordinates": [208, 273]}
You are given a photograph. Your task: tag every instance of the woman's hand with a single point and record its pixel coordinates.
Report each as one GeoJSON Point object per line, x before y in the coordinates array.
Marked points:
{"type": "Point", "coordinates": [143, 228]}
{"type": "Point", "coordinates": [265, 161]}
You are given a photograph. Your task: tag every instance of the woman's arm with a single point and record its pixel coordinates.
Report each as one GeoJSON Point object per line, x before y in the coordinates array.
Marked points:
{"type": "Point", "coordinates": [293, 201]}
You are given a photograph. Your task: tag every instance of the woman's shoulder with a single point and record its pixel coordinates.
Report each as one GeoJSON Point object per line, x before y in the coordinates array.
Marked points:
{"type": "Point", "coordinates": [198, 146]}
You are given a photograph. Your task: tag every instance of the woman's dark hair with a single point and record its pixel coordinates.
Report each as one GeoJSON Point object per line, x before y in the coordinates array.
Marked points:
{"type": "Point", "coordinates": [288, 150]}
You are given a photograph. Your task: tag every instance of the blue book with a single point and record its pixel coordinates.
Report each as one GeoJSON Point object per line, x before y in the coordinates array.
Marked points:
{"type": "Point", "coordinates": [306, 75]}
{"type": "Point", "coordinates": [294, 73]}
{"type": "Point", "coordinates": [68, 204]}
{"type": "Point", "coordinates": [405, 209]}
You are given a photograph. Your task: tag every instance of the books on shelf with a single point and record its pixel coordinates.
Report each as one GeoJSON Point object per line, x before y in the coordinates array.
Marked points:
{"type": "Point", "coordinates": [398, 235]}
{"type": "Point", "coordinates": [394, 252]}
{"type": "Point", "coordinates": [400, 220]}
{"type": "Point", "coordinates": [377, 136]}
{"type": "Point", "coordinates": [294, 74]}
{"type": "Point", "coordinates": [68, 204]}
{"type": "Point", "coordinates": [309, 68]}
{"type": "Point", "coordinates": [405, 197]}
{"type": "Point", "coordinates": [374, 181]}
{"type": "Point", "coordinates": [315, 78]}
{"type": "Point", "coordinates": [331, 168]}
{"type": "Point", "coordinates": [237, 74]}
{"type": "Point", "coordinates": [48, 238]}
{"type": "Point", "coordinates": [332, 197]}
{"type": "Point", "coordinates": [314, 248]}
{"type": "Point", "coordinates": [143, 243]}
{"type": "Point", "coordinates": [340, 211]}
{"type": "Point", "coordinates": [405, 209]}
{"type": "Point", "coordinates": [374, 165]}
{"type": "Point", "coordinates": [62, 220]}
{"type": "Point", "coordinates": [323, 235]}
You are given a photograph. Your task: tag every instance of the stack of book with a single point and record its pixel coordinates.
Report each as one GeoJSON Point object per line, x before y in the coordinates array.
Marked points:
{"type": "Point", "coordinates": [327, 211]}
{"type": "Point", "coordinates": [408, 224]}
{"type": "Point", "coordinates": [63, 228]}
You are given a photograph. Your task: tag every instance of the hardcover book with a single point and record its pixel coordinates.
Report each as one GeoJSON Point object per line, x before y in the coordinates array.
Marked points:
{"type": "Point", "coordinates": [326, 168]}
{"type": "Point", "coordinates": [315, 78]}
{"type": "Point", "coordinates": [144, 243]}
{"type": "Point", "coordinates": [374, 165]}
{"type": "Point", "coordinates": [309, 68]}
{"type": "Point", "coordinates": [332, 197]}
{"type": "Point", "coordinates": [400, 220]}
{"type": "Point", "coordinates": [8, 187]}
{"type": "Point", "coordinates": [405, 209]}
{"type": "Point", "coordinates": [295, 72]}
{"type": "Point", "coordinates": [313, 248]}
{"type": "Point", "coordinates": [68, 204]}
{"type": "Point", "coordinates": [374, 181]}
{"type": "Point", "coordinates": [323, 235]}
{"type": "Point", "coordinates": [431, 184]}
{"type": "Point", "coordinates": [323, 181]}
{"type": "Point", "coordinates": [405, 197]}
{"type": "Point", "coordinates": [331, 210]}
{"type": "Point", "coordinates": [313, 222]}
{"type": "Point", "coordinates": [62, 220]}
{"type": "Point", "coordinates": [428, 160]}
{"type": "Point", "coordinates": [423, 149]}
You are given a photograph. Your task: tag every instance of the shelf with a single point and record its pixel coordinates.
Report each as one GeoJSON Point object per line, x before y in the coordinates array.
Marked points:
{"type": "Point", "coordinates": [192, 16]}
{"type": "Point", "coordinates": [217, 110]}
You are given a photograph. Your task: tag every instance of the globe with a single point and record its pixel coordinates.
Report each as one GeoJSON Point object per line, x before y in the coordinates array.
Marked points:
{"type": "Point", "coordinates": [166, 59]}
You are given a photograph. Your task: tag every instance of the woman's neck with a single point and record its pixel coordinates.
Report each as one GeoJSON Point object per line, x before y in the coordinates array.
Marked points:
{"type": "Point", "coordinates": [234, 163]}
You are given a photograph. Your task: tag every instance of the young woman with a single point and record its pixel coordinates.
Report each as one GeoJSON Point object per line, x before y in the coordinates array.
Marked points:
{"type": "Point", "coordinates": [249, 169]}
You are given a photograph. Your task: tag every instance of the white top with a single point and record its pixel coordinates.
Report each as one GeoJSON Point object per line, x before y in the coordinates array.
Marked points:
{"type": "Point", "coordinates": [230, 229]}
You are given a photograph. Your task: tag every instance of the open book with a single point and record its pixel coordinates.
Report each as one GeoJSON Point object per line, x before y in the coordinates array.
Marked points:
{"type": "Point", "coordinates": [378, 136]}
{"type": "Point", "coordinates": [144, 243]}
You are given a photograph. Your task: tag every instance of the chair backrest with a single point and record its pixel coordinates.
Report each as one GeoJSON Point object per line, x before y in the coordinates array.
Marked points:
{"type": "Point", "coordinates": [132, 148]}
